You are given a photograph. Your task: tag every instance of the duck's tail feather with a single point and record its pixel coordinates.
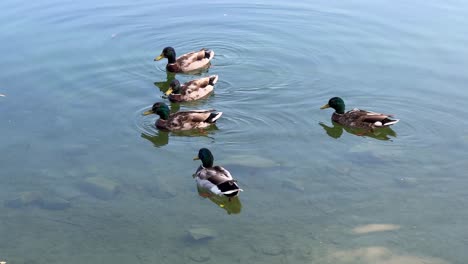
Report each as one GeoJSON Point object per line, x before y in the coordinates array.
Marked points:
{"type": "Point", "coordinates": [209, 54]}
{"type": "Point", "coordinates": [386, 122]}
{"type": "Point", "coordinates": [229, 188]}
{"type": "Point", "coordinates": [213, 79]}
{"type": "Point", "coordinates": [213, 117]}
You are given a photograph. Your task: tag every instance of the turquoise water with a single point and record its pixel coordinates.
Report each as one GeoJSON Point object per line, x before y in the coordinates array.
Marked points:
{"type": "Point", "coordinates": [77, 76]}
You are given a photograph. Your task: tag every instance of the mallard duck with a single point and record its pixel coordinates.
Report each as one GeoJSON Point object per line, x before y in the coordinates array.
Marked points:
{"type": "Point", "coordinates": [188, 62]}
{"type": "Point", "coordinates": [183, 120]}
{"type": "Point", "coordinates": [216, 179]}
{"type": "Point", "coordinates": [192, 90]}
{"type": "Point", "coordinates": [357, 118]}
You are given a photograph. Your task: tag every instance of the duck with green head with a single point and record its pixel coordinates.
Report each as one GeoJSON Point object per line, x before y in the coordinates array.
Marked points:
{"type": "Point", "coordinates": [192, 90]}
{"type": "Point", "coordinates": [216, 179]}
{"type": "Point", "coordinates": [188, 62]}
{"type": "Point", "coordinates": [357, 118]}
{"type": "Point", "coordinates": [182, 120]}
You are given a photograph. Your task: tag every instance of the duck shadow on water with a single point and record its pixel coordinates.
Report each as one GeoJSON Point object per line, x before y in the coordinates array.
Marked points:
{"type": "Point", "coordinates": [232, 205]}
{"type": "Point", "coordinates": [384, 133]}
{"type": "Point", "coordinates": [161, 138]}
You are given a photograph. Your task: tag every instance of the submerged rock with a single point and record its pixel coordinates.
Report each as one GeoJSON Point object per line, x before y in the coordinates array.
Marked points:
{"type": "Point", "coordinates": [271, 249]}
{"type": "Point", "coordinates": [376, 255]}
{"type": "Point", "coordinates": [293, 185]}
{"type": "Point", "coordinates": [199, 233]}
{"type": "Point", "coordinates": [24, 199]}
{"type": "Point", "coordinates": [49, 202]}
{"type": "Point", "coordinates": [249, 161]}
{"type": "Point", "coordinates": [379, 151]}
{"type": "Point", "coordinates": [365, 157]}
{"type": "Point", "coordinates": [199, 254]}
{"type": "Point", "coordinates": [160, 190]}
{"type": "Point", "coordinates": [54, 203]}
{"type": "Point", "coordinates": [406, 182]}
{"type": "Point", "coordinates": [67, 192]}
{"type": "Point", "coordinates": [374, 228]}
{"type": "Point", "coordinates": [100, 187]}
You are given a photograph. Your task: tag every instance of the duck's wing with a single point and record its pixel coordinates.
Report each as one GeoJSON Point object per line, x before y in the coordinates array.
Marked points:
{"type": "Point", "coordinates": [378, 119]}
{"type": "Point", "coordinates": [222, 171]}
{"type": "Point", "coordinates": [226, 184]}
{"type": "Point", "coordinates": [192, 116]}
{"type": "Point", "coordinates": [218, 180]}
{"type": "Point", "coordinates": [203, 173]}
{"type": "Point", "coordinates": [216, 174]}
{"type": "Point", "coordinates": [209, 116]}
{"type": "Point", "coordinates": [198, 88]}
{"type": "Point", "coordinates": [200, 83]}
{"type": "Point", "coordinates": [187, 120]}
{"type": "Point", "coordinates": [195, 60]}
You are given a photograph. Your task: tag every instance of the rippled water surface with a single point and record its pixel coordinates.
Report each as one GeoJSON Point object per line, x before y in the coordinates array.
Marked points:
{"type": "Point", "coordinates": [76, 76]}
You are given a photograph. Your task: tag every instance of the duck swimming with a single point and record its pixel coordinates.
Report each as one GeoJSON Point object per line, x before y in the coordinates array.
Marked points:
{"type": "Point", "coordinates": [182, 120]}
{"type": "Point", "coordinates": [357, 118]}
{"type": "Point", "coordinates": [192, 90]}
{"type": "Point", "coordinates": [216, 179]}
{"type": "Point", "coordinates": [188, 62]}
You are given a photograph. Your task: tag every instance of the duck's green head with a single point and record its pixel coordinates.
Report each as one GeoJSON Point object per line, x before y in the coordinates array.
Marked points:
{"type": "Point", "coordinates": [206, 157]}
{"type": "Point", "coordinates": [174, 87]}
{"type": "Point", "coordinates": [335, 103]}
{"type": "Point", "coordinates": [169, 53]}
{"type": "Point", "coordinates": [160, 109]}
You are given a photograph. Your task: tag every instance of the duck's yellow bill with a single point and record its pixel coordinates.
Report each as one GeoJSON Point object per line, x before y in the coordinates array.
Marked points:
{"type": "Point", "coordinates": [196, 158]}
{"type": "Point", "coordinates": [325, 106]}
{"type": "Point", "coordinates": [169, 91]}
{"type": "Point", "coordinates": [149, 112]}
{"type": "Point", "coordinates": [160, 57]}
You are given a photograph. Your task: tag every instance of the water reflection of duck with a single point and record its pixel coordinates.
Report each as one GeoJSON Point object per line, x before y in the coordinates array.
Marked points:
{"type": "Point", "coordinates": [164, 85]}
{"type": "Point", "coordinates": [357, 118]}
{"type": "Point", "coordinates": [159, 140]}
{"type": "Point", "coordinates": [216, 179]}
{"type": "Point", "coordinates": [188, 62]}
{"type": "Point", "coordinates": [182, 120]}
{"type": "Point", "coordinates": [232, 205]}
{"type": "Point", "coordinates": [337, 130]}
{"type": "Point", "coordinates": [162, 137]}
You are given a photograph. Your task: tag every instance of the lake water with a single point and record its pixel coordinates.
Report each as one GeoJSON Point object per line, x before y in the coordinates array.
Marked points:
{"type": "Point", "coordinates": [77, 76]}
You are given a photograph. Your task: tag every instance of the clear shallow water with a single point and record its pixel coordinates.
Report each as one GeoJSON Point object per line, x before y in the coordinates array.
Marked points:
{"type": "Point", "coordinates": [77, 77]}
